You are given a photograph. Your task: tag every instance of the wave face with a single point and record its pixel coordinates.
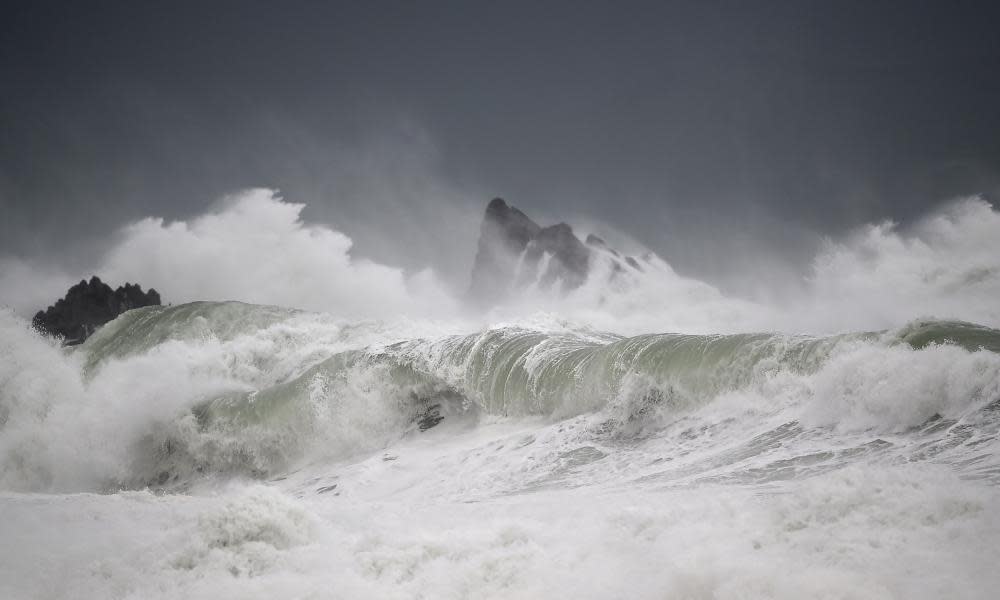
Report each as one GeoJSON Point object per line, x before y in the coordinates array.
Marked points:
{"type": "Point", "coordinates": [796, 432]}
{"type": "Point", "coordinates": [164, 395]}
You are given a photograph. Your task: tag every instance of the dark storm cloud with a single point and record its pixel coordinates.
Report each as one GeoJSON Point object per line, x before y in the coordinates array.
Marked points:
{"type": "Point", "coordinates": [701, 128]}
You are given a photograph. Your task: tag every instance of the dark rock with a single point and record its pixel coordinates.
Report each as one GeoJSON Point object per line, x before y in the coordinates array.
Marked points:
{"type": "Point", "coordinates": [430, 417]}
{"type": "Point", "coordinates": [432, 406]}
{"type": "Point", "coordinates": [87, 306]}
{"type": "Point", "coordinates": [569, 257]}
{"type": "Point", "coordinates": [512, 250]}
{"type": "Point", "coordinates": [593, 240]}
{"type": "Point", "coordinates": [503, 237]}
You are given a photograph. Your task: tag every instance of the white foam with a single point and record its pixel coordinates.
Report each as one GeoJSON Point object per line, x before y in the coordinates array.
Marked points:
{"type": "Point", "coordinates": [829, 481]}
{"type": "Point", "coordinates": [913, 532]}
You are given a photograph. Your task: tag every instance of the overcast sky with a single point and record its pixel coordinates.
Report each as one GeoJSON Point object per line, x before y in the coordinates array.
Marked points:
{"type": "Point", "coordinates": [708, 131]}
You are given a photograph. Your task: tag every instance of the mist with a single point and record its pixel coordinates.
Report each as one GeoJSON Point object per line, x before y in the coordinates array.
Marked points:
{"type": "Point", "coordinates": [730, 140]}
{"type": "Point", "coordinates": [255, 246]}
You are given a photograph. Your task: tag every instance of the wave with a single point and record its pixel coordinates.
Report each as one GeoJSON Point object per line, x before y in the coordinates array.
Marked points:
{"type": "Point", "coordinates": [166, 396]}
{"type": "Point", "coordinates": [505, 438]}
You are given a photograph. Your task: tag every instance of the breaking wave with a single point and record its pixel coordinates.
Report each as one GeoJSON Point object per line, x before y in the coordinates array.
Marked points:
{"type": "Point", "coordinates": [558, 446]}
{"type": "Point", "coordinates": [164, 396]}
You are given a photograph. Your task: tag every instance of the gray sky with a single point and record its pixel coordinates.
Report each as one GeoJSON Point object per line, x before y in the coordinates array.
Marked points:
{"type": "Point", "coordinates": [721, 134]}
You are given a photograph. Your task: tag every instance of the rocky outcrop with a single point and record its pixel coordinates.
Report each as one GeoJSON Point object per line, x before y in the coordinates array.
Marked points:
{"type": "Point", "coordinates": [87, 306]}
{"type": "Point", "coordinates": [515, 252]}
{"type": "Point", "coordinates": [503, 238]}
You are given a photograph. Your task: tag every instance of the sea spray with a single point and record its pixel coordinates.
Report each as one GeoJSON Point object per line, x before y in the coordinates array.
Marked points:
{"type": "Point", "coordinates": [236, 390]}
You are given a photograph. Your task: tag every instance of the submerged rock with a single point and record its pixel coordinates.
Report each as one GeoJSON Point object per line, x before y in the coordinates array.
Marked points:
{"type": "Point", "coordinates": [87, 306]}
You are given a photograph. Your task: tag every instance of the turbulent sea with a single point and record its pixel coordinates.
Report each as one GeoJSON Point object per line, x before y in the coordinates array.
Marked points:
{"type": "Point", "coordinates": [639, 437]}
{"type": "Point", "coordinates": [229, 450]}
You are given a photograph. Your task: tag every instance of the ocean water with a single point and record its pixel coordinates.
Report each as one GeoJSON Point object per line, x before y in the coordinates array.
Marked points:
{"type": "Point", "coordinates": [229, 450]}
{"type": "Point", "coordinates": [644, 436]}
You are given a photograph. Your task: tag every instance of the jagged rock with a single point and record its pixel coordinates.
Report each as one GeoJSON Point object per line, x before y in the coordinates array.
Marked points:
{"type": "Point", "coordinates": [87, 306]}
{"type": "Point", "coordinates": [511, 252]}
{"type": "Point", "coordinates": [568, 260]}
{"type": "Point", "coordinates": [503, 237]}
{"type": "Point", "coordinates": [593, 240]}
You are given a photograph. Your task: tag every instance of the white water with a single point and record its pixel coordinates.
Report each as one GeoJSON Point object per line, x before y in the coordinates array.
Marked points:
{"type": "Point", "coordinates": [859, 466]}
